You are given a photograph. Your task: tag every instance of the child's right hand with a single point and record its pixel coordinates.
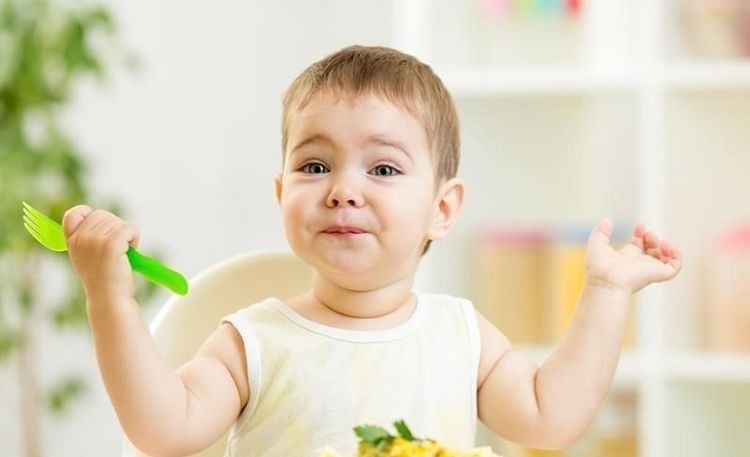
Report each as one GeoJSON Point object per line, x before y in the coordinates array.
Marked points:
{"type": "Point", "coordinates": [97, 243]}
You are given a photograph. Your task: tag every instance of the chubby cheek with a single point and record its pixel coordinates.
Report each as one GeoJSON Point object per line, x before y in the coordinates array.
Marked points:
{"type": "Point", "coordinates": [407, 224]}
{"type": "Point", "coordinates": [294, 210]}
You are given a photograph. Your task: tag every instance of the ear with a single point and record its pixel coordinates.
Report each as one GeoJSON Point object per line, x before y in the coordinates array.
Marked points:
{"type": "Point", "coordinates": [448, 202]}
{"type": "Point", "coordinates": [277, 187]}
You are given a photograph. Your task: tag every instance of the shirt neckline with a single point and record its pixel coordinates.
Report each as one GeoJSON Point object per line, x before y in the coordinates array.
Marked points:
{"type": "Point", "coordinates": [357, 336]}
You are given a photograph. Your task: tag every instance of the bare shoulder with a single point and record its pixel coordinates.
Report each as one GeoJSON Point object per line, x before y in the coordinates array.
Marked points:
{"type": "Point", "coordinates": [216, 389]}
{"type": "Point", "coordinates": [494, 345]}
{"type": "Point", "coordinates": [226, 345]}
{"type": "Point", "coordinates": [506, 395]}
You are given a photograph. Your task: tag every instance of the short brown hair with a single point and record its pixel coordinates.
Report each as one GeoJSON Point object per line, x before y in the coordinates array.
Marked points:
{"type": "Point", "coordinates": [400, 78]}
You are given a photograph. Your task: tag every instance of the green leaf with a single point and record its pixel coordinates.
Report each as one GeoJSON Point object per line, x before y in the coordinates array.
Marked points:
{"type": "Point", "coordinates": [9, 342]}
{"type": "Point", "coordinates": [62, 395]}
{"type": "Point", "coordinates": [404, 431]}
{"type": "Point", "coordinates": [374, 435]}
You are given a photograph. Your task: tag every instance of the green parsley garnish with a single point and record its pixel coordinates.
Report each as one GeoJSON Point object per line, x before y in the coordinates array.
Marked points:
{"type": "Point", "coordinates": [379, 437]}
{"type": "Point", "coordinates": [374, 435]}
{"type": "Point", "coordinates": [404, 431]}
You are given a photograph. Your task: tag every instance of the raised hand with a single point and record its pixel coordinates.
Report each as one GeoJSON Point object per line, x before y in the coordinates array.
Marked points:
{"type": "Point", "coordinates": [644, 260]}
{"type": "Point", "coordinates": [97, 244]}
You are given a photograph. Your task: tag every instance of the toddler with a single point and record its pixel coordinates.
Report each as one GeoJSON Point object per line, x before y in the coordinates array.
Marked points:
{"type": "Point", "coordinates": [370, 150]}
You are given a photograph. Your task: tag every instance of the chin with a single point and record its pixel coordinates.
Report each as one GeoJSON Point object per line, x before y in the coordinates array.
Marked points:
{"type": "Point", "coordinates": [348, 282]}
{"type": "Point", "coordinates": [352, 270]}
{"type": "Point", "coordinates": [347, 263]}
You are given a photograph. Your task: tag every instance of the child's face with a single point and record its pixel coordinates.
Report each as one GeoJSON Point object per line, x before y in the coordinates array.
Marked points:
{"type": "Point", "coordinates": [357, 191]}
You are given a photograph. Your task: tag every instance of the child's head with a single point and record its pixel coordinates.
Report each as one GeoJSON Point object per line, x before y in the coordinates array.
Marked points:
{"type": "Point", "coordinates": [394, 76]}
{"type": "Point", "coordinates": [369, 141]}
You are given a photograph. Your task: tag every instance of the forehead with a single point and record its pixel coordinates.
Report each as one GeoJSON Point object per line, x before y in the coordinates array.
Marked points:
{"type": "Point", "coordinates": [344, 116]}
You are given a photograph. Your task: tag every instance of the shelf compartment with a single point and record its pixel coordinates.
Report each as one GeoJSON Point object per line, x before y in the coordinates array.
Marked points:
{"type": "Point", "coordinates": [724, 75]}
{"type": "Point", "coordinates": [706, 30]}
{"type": "Point", "coordinates": [706, 366]}
{"type": "Point", "coordinates": [705, 419]}
{"type": "Point", "coordinates": [515, 81]}
{"type": "Point", "coordinates": [705, 163]}
{"type": "Point", "coordinates": [555, 161]}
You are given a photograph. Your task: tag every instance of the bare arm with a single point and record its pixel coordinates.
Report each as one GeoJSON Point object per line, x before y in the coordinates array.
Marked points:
{"type": "Point", "coordinates": [553, 405]}
{"type": "Point", "coordinates": [550, 407]}
{"type": "Point", "coordinates": [162, 411]}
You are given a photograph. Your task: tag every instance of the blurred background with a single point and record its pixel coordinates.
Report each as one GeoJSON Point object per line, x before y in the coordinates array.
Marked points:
{"type": "Point", "coordinates": [168, 113]}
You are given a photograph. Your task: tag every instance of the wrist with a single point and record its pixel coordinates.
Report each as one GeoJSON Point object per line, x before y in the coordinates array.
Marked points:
{"type": "Point", "coordinates": [99, 303]}
{"type": "Point", "coordinates": [599, 285]}
{"type": "Point", "coordinates": [107, 291]}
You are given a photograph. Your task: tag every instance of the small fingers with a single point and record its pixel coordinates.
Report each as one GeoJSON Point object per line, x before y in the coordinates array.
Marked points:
{"type": "Point", "coordinates": [666, 250]}
{"type": "Point", "coordinates": [602, 232]}
{"type": "Point", "coordinates": [73, 217]}
{"type": "Point", "coordinates": [671, 254]}
{"type": "Point", "coordinates": [101, 225]}
{"type": "Point", "coordinates": [605, 226]}
{"type": "Point", "coordinates": [98, 221]}
{"type": "Point", "coordinates": [651, 243]}
{"type": "Point", "coordinates": [122, 235]}
{"type": "Point", "coordinates": [662, 250]}
{"type": "Point", "coordinates": [639, 231]}
{"type": "Point", "coordinates": [117, 224]}
{"type": "Point", "coordinates": [676, 259]}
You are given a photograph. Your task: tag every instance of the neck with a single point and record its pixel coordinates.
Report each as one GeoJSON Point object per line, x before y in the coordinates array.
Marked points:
{"type": "Point", "coordinates": [387, 303]}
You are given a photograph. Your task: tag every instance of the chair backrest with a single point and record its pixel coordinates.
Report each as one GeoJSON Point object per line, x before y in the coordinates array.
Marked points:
{"type": "Point", "coordinates": [184, 322]}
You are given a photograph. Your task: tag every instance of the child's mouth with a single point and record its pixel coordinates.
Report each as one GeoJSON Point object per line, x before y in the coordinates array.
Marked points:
{"type": "Point", "coordinates": [343, 231]}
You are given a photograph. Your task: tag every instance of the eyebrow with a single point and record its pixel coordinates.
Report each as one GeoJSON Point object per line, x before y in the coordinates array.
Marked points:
{"type": "Point", "coordinates": [383, 140]}
{"type": "Point", "coordinates": [377, 139]}
{"type": "Point", "coordinates": [316, 138]}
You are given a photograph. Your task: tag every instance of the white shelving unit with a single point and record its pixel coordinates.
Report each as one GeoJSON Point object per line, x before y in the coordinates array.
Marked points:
{"type": "Point", "coordinates": [533, 82]}
{"type": "Point", "coordinates": [627, 123]}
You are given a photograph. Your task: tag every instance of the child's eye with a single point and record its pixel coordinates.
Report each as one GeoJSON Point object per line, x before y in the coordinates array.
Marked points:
{"type": "Point", "coordinates": [385, 170]}
{"type": "Point", "coordinates": [314, 168]}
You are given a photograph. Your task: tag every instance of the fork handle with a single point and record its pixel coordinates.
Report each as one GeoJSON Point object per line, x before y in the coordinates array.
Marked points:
{"type": "Point", "coordinates": [157, 272]}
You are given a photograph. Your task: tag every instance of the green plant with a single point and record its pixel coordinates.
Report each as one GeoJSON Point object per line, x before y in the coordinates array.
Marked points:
{"type": "Point", "coordinates": [47, 48]}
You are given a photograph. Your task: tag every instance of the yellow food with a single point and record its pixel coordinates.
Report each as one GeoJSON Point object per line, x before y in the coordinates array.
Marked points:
{"type": "Point", "coordinates": [375, 441]}
{"type": "Point", "coordinates": [400, 447]}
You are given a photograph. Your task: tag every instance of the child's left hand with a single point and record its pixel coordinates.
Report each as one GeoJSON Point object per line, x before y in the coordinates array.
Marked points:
{"type": "Point", "coordinates": [645, 259]}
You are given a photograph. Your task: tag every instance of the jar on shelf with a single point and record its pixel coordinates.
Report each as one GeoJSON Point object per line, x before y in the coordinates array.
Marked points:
{"type": "Point", "coordinates": [727, 305]}
{"type": "Point", "coordinates": [713, 27]}
{"type": "Point", "coordinates": [508, 281]}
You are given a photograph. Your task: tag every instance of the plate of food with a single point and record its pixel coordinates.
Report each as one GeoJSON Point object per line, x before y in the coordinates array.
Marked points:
{"type": "Point", "coordinates": [375, 441]}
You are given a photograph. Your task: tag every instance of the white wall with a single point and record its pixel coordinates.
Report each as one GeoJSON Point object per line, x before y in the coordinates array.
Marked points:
{"type": "Point", "coordinates": [189, 143]}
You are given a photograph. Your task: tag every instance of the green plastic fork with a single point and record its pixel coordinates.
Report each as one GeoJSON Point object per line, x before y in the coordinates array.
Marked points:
{"type": "Point", "coordinates": [50, 235]}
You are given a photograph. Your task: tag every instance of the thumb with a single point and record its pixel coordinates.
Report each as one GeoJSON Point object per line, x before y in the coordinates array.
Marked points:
{"type": "Point", "coordinates": [602, 233]}
{"type": "Point", "coordinates": [73, 218]}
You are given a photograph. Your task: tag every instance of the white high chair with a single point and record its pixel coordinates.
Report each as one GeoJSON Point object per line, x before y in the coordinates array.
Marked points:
{"type": "Point", "coordinates": [184, 322]}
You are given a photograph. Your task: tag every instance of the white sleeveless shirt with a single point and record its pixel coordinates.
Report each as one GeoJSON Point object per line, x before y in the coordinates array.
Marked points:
{"type": "Point", "coordinates": [311, 384]}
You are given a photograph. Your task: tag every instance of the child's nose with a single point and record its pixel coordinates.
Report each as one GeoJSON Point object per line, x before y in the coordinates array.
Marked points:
{"type": "Point", "coordinates": [344, 192]}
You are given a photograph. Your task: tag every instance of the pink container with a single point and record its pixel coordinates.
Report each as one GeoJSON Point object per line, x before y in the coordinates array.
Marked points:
{"type": "Point", "coordinates": [728, 294]}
